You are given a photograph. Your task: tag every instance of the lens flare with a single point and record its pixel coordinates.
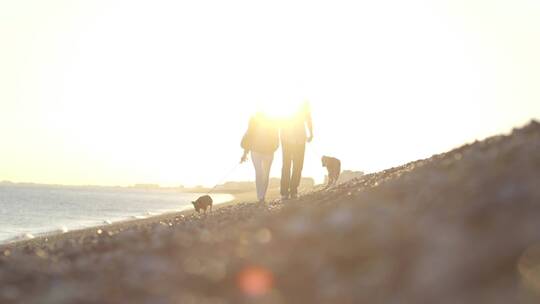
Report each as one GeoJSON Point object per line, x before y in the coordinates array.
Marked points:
{"type": "Point", "coordinates": [255, 281]}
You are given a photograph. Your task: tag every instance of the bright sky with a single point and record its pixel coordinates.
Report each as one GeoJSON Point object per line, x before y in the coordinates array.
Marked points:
{"type": "Point", "coordinates": [120, 92]}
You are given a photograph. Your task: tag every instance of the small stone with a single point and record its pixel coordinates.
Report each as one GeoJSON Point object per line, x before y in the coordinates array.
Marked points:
{"type": "Point", "coordinates": [340, 218]}
{"type": "Point", "coordinates": [215, 270]}
{"type": "Point", "coordinates": [263, 236]}
{"type": "Point", "coordinates": [298, 226]}
{"type": "Point", "coordinates": [192, 265]}
{"type": "Point", "coordinates": [41, 253]}
{"type": "Point", "coordinates": [9, 292]}
{"type": "Point", "coordinates": [205, 236]}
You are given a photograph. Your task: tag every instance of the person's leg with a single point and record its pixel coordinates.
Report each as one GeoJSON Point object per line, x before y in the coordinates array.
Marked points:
{"type": "Point", "coordinates": [331, 180]}
{"type": "Point", "coordinates": [286, 169]}
{"type": "Point", "coordinates": [298, 165]}
{"type": "Point", "coordinates": [267, 164]}
{"type": "Point", "coordinates": [338, 171]}
{"type": "Point", "coordinates": [257, 159]}
{"type": "Point", "coordinates": [332, 176]}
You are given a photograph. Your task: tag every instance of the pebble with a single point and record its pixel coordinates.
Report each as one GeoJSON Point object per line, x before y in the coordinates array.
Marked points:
{"type": "Point", "coordinates": [263, 236]}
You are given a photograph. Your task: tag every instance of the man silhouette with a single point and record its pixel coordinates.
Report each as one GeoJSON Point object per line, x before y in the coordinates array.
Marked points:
{"type": "Point", "coordinates": [293, 145]}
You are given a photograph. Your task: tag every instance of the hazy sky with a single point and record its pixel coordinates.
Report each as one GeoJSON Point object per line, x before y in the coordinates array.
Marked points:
{"type": "Point", "coordinates": [121, 92]}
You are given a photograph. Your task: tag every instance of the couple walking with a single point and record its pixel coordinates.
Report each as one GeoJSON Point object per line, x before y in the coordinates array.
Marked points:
{"type": "Point", "coordinates": [262, 139]}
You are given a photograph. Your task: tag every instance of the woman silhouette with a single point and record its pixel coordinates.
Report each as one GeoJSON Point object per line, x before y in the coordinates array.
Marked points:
{"type": "Point", "coordinates": [262, 140]}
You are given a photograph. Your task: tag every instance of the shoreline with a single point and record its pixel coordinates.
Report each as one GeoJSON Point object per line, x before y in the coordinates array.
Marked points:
{"type": "Point", "coordinates": [50, 237]}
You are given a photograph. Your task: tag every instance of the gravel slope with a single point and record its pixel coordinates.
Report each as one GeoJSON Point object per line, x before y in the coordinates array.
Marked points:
{"type": "Point", "coordinates": [460, 227]}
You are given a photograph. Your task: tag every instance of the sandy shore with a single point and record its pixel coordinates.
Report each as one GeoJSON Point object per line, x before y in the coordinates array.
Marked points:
{"type": "Point", "coordinates": [459, 227]}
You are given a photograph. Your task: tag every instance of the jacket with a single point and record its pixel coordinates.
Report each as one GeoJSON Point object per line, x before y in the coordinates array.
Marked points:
{"type": "Point", "coordinates": [262, 135]}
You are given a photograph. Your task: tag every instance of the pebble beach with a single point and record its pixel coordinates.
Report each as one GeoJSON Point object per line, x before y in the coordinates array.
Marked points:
{"type": "Point", "coordinates": [459, 227]}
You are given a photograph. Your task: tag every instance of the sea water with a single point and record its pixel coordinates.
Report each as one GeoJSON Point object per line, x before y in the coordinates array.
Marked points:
{"type": "Point", "coordinates": [31, 210]}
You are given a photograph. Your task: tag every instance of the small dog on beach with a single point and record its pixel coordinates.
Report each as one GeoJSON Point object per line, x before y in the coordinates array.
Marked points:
{"type": "Point", "coordinates": [333, 165]}
{"type": "Point", "coordinates": [203, 203]}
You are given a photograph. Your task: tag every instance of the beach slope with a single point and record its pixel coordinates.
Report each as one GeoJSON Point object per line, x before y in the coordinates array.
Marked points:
{"type": "Point", "coordinates": [459, 227]}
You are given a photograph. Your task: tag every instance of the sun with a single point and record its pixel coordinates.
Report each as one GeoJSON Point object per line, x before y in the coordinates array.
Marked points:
{"type": "Point", "coordinates": [281, 108]}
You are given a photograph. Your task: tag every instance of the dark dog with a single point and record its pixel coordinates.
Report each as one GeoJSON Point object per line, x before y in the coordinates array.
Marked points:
{"type": "Point", "coordinates": [334, 169]}
{"type": "Point", "coordinates": [203, 203]}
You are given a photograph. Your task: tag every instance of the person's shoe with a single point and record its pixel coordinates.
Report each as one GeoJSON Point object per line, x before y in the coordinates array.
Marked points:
{"type": "Point", "coordinates": [284, 197]}
{"type": "Point", "coordinates": [261, 201]}
{"type": "Point", "coordinates": [294, 196]}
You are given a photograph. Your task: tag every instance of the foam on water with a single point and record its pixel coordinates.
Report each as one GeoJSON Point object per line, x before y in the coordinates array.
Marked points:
{"type": "Point", "coordinates": [30, 211]}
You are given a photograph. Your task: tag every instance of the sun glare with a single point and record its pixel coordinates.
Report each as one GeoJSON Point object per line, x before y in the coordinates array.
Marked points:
{"type": "Point", "coordinates": [280, 108]}
{"type": "Point", "coordinates": [108, 99]}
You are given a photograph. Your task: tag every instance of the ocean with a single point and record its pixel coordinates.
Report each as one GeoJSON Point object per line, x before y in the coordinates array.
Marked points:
{"type": "Point", "coordinates": [27, 211]}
